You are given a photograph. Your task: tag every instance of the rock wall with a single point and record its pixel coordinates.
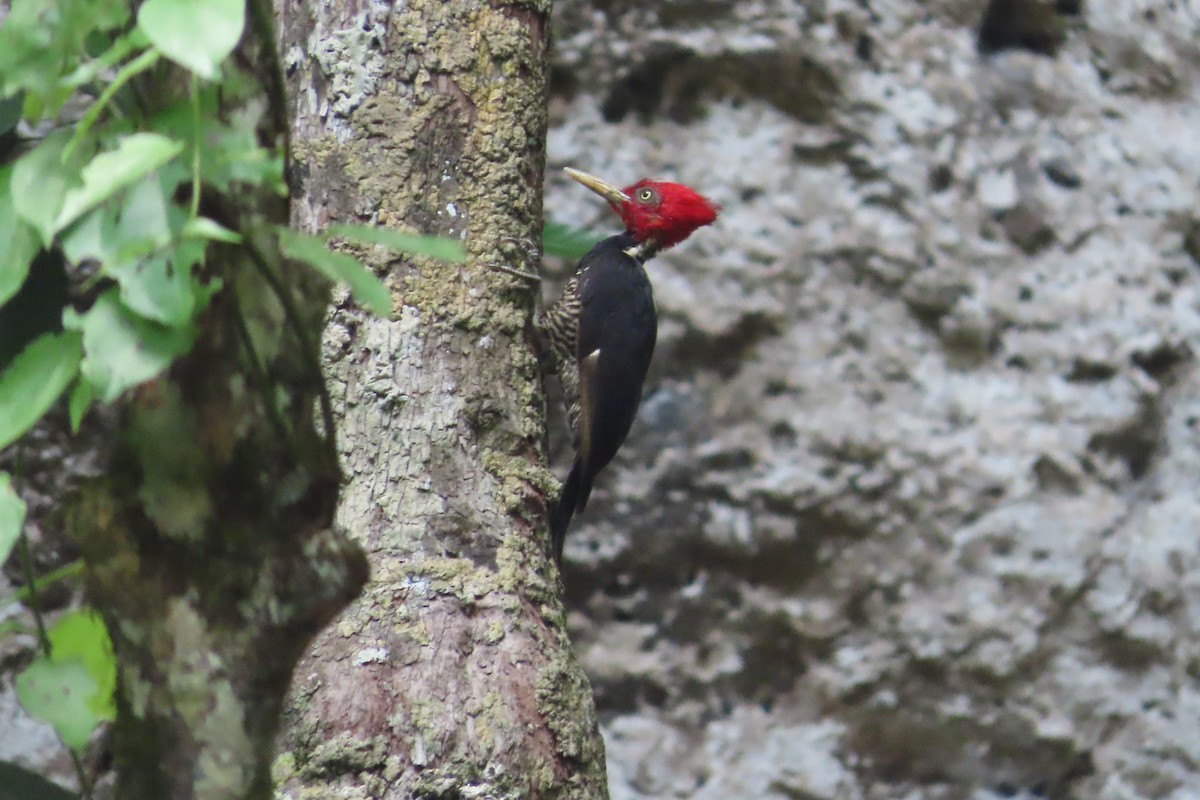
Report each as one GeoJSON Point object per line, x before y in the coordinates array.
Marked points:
{"type": "Point", "coordinates": [911, 507]}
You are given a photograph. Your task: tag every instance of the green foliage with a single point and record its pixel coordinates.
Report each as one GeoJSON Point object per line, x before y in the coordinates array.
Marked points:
{"type": "Point", "coordinates": [196, 34]}
{"type": "Point", "coordinates": [123, 348]}
{"type": "Point", "coordinates": [26, 594]}
{"type": "Point", "coordinates": [563, 241]}
{"type": "Point", "coordinates": [12, 516]}
{"type": "Point", "coordinates": [81, 636]}
{"type": "Point", "coordinates": [128, 145]}
{"type": "Point", "coordinates": [120, 191]}
{"type": "Point", "coordinates": [40, 181]}
{"type": "Point", "coordinates": [41, 43]}
{"type": "Point", "coordinates": [135, 156]}
{"type": "Point", "coordinates": [117, 193]}
{"type": "Point", "coordinates": [22, 241]}
{"type": "Point", "coordinates": [71, 687]}
{"type": "Point", "coordinates": [34, 380]}
{"type": "Point", "coordinates": [432, 246]}
{"type": "Point", "coordinates": [364, 286]}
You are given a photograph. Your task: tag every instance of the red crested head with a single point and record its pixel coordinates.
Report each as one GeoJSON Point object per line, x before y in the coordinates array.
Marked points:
{"type": "Point", "coordinates": [666, 213]}
{"type": "Point", "coordinates": [655, 211]}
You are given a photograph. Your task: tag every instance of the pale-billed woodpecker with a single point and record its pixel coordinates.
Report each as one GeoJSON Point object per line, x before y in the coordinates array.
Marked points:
{"type": "Point", "coordinates": [601, 332]}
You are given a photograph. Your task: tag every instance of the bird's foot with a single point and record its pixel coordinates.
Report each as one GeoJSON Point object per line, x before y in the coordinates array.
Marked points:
{"type": "Point", "coordinates": [519, 273]}
{"type": "Point", "coordinates": [524, 250]}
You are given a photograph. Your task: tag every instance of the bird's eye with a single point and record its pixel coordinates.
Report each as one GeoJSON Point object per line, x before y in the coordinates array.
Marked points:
{"type": "Point", "coordinates": [646, 195]}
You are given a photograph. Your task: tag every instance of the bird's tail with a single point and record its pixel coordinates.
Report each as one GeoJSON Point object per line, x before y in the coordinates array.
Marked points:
{"type": "Point", "coordinates": [574, 497]}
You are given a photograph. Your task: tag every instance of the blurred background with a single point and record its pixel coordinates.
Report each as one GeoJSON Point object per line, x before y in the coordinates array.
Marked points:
{"type": "Point", "coordinates": [910, 510]}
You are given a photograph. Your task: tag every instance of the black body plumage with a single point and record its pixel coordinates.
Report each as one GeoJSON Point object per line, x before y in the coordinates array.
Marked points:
{"type": "Point", "coordinates": [601, 334]}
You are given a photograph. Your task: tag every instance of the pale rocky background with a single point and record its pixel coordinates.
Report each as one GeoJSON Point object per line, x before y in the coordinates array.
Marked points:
{"type": "Point", "coordinates": [911, 507]}
{"type": "Point", "coordinates": [910, 511]}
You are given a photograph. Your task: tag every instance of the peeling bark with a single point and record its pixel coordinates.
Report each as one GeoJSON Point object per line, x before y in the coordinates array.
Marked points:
{"type": "Point", "coordinates": [453, 673]}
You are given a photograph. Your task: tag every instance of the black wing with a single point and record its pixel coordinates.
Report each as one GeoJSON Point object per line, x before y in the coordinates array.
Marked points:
{"type": "Point", "coordinates": [617, 328]}
{"type": "Point", "coordinates": [617, 331]}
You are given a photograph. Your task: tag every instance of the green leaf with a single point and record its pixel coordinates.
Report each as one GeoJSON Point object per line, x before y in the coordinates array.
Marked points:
{"type": "Point", "coordinates": [91, 237]}
{"type": "Point", "coordinates": [22, 242]}
{"type": "Point", "coordinates": [135, 157]}
{"type": "Point", "coordinates": [41, 40]}
{"type": "Point", "coordinates": [366, 288]}
{"type": "Point", "coordinates": [204, 228]}
{"type": "Point", "coordinates": [34, 380]}
{"type": "Point", "coordinates": [79, 403]}
{"type": "Point", "coordinates": [156, 280]}
{"type": "Point", "coordinates": [60, 693]}
{"type": "Point", "coordinates": [114, 234]}
{"type": "Point", "coordinates": [233, 155]}
{"type": "Point", "coordinates": [134, 245]}
{"type": "Point", "coordinates": [39, 185]}
{"type": "Point", "coordinates": [12, 516]}
{"type": "Point", "coordinates": [145, 218]}
{"type": "Point", "coordinates": [115, 54]}
{"type": "Point", "coordinates": [81, 636]}
{"type": "Point", "coordinates": [140, 64]}
{"type": "Point", "coordinates": [72, 688]}
{"type": "Point", "coordinates": [158, 288]}
{"type": "Point", "coordinates": [196, 34]}
{"type": "Point", "coordinates": [432, 246]}
{"type": "Point", "coordinates": [121, 348]}
{"type": "Point", "coordinates": [26, 594]}
{"type": "Point", "coordinates": [563, 241]}
{"type": "Point", "coordinates": [28, 57]}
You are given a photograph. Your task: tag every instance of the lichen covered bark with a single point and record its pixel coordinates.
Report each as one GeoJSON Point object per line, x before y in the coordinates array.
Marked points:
{"type": "Point", "coordinates": [453, 673]}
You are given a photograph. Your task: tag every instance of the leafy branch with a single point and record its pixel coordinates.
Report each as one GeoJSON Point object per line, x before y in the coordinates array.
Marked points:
{"type": "Point", "coordinates": [118, 189]}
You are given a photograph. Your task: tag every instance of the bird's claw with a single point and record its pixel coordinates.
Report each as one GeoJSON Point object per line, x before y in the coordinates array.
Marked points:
{"type": "Point", "coordinates": [528, 248]}
{"type": "Point", "coordinates": [520, 273]}
{"type": "Point", "coordinates": [520, 249]}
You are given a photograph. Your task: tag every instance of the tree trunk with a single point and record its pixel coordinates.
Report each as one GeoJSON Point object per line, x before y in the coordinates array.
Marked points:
{"type": "Point", "coordinates": [207, 541]}
{"type": "Point", "coordinates": [453, 674]}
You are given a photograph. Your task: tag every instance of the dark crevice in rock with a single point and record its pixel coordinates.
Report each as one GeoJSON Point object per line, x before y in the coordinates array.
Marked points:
{"type": "Point", "coordinates": [643, 88]}
{"type": "Point", "coordinates": [1086, 370]}
{"type": "Point", "coordinates": [564, 82]}
{"type": "Point", "coordinates": [1054, 476]}
{"type": "Point", "coordinates": [941, 178]}
{"type": "Point", "coordinates": [1129, 653]}
{"type": "Point", "coordinates": [823, 153]}
{"type": "Point", "coordinates": [775, 658]}
{"type": "Point", "coordinates": [1018, 362]}
{"type": "Point", "coordinates": [1160, 362]}
{"type": "Point", "coordinates": [626, 693]}
{"type": "Point", "coordinates": [782, 565]}
{"type": "Point", "coordinates": [680, 84]}
{"type": "Point", "coordinates": [932, 294]}
{"type": "Point", "coordinates": [903, 746]}
{"type": "Point", "coordinates": [864, 48]}
{"type": "Point", "coordinates": [1191, 240]}
{"type": "Point", "coordinates": [694, 14]}
{"type": "Point", "coordinates": [1061, 172]}
{"type": "Point", "coordinates": [1033, 25]}
{"type": "Point", "coordinates": [1026, 227]}
{"type": "Point", "coordinates": [724, 353]}
{"type": "Point", "coordinates": [1135, 442]}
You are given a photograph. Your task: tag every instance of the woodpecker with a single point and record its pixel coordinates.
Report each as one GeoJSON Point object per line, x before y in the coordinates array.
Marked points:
{"type": "Point", "coordinates": [600, 334]}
